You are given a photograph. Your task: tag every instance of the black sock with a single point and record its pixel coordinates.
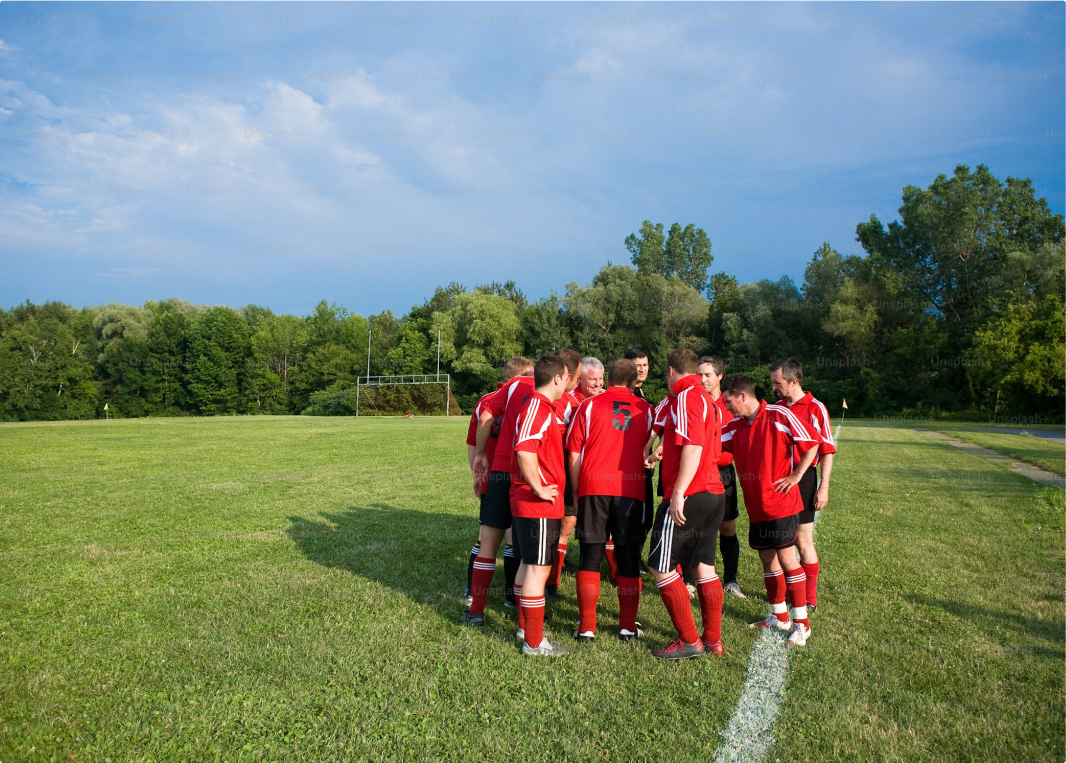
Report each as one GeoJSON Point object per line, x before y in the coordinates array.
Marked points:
{"type": "Point", "coordinates": [511, 563]}
{"type": "Point", "coordinates": [730, 556]}
{"type": "Point", "coordinates": [470, 567]}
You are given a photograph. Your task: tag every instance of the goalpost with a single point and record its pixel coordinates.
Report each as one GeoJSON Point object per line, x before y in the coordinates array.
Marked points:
{"type": "Point", "coordinates": [405, 380]}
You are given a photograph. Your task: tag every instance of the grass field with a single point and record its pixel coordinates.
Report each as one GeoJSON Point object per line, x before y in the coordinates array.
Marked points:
{"type": "Point", "coordinates": [1044, 452]}
{"type": "Point", "coordinates": [289, 588]}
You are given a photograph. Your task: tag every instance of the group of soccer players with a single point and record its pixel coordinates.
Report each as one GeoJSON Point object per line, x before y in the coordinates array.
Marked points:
{"type": "Point", "coordinates": [557, 448]}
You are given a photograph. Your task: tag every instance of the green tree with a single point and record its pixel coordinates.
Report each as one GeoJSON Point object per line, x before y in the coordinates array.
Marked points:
{"type": "Point", "coordinates": [218, 348]}
{"type": "Point", "coordinates": [683, 252]}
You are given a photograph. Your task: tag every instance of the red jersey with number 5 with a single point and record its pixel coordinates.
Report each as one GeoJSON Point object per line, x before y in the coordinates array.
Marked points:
{"type": "Point", "coordinates": [538, 431]}
{"type": "Point", "coordinates": [609, 431]}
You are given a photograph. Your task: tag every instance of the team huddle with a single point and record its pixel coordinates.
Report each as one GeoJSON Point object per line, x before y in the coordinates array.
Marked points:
{"type": "Point", "coordinates": [558, 449]}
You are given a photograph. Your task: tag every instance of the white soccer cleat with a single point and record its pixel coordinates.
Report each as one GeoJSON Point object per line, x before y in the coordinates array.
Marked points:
{"type": "Point", "coordinates": [771, 621]}
{"type": "Point", "coordinates": [691, 590]}
{"type": "Point", "coordinates": [520, 634]}
{"type": "Point", "coordinates": [799, 635]}
{"type": "Point", "coordinates": [546, 649]}
{"type": "Point", "coordinates": [734, 589]}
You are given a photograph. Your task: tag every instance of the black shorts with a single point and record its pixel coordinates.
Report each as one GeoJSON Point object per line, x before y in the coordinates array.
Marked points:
{"type": "Point", "coordinates": [694, 542]}
{"type": "Point", "coordinates": [775, 533]}
{"type": "Point", "coordinates": [536, 541]}
{"type": "Point", "coordinates": [496, 503]}
{"type": "Point", "coordinates": [569, 504]}
{"type": "Point", "coordinates": [808, 486]}
{"type": "Point", "coordinates": [600, 517]}
{"type": "Point", "coordinates": [729, 482]}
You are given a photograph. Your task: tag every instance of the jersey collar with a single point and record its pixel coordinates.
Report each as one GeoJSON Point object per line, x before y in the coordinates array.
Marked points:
{"type": "Point", "coordinates": [692, 380]}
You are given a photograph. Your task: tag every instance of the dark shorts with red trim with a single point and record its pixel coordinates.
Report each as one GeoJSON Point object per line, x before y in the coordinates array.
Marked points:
{"type": "Point", "coordinates": [496, 503]}
{"type": "Point", "coordinates": [691, 543]}
{"type": "Point", "coordinates": [603, 517]}
{"type": "Point", "coordinates": [808, 486]}
{"type": "Point", "coordinates": [535, 541]}
{"type": "Point", "coordinates": [774, 533]}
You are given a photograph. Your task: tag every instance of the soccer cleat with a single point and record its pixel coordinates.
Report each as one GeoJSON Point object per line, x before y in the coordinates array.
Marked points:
{"type": "Point", "coordinates": [691, 590]}
{"type": "Point", "coordinates": [679, 650]}
{"type": "Point", "coordinates": [626, 636]}
{"type": "Point", "coordinates": [468, 597]}
{"type": "Point", "coordinates": [509, 603]}
{"type": "Point", "coordinates": [714, 647]}
{"type": "Point", "coordinates": [546, 649]}
{"type": "Point", "coordinates": [771, 621]}
{"type": "Point", "coordinates": [734, 589]}
{"type": "Point", "coordinates": [472, 620]}
{"type": "Point", "coordinates": [585, 637]}
{"type": "Point", "coordinates": [811, 608]}
{"type": "Point", "coordinates": [799, 635]}
{"type": "Point", "coordinates": [551, 592]}
{"type": "Point", "coordinates": [520, 634]}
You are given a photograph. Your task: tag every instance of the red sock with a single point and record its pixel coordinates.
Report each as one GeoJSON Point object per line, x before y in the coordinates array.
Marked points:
{"type": "Point", "coordinates": [676, 598]}
{"type": "Point", "coordinates": [710, 591]}
{"type": "Point", "coordinates": [628, 603]}
{"type": "Point", "coordinates": [518, 605]}
{"type": "Point", "coordinates": [557, 567]}
{"type": "Point", "coordinates": [588, 596]}
{"type": "Point", "coordinates": [484, 569]}
{"type": "Point", "coordinates": [811, 570]}
{"type": "Point", "coordinates": [534, 617]}
{"type": "Point", "coordinates": [797, 589]}
{"type": "Point", "coordinates": [612, 565]}
{"type": "Point", "coordinates": [775, 592]}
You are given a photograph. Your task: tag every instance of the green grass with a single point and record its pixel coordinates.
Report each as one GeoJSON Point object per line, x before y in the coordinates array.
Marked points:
{"type": "Point", "coordinates": [1042, 451]}
{"type": "Point", "coordinates": [289, 588]}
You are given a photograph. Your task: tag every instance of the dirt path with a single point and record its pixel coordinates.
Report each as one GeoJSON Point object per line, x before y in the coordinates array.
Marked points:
{"type": "Point", "coordinates": [1031, 471]}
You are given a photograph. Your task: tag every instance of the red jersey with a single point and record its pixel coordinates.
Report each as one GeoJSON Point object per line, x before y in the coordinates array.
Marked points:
{"type": "Point", "coordinates": [662, 411]}
{"type": "Point", "coordinates": [578, 395]}
{"type": "Point", "coordinates": [565, 408]}
{"type": "Point", "coordinates": [471, 433]}
{"type": "Point", "coordinates": [505, 406]}
{"type": "Point", "coordinates": [693, 420]}
{"type": "Point", "coordinates": [763, 450]}
{"type": "Point", "coordinates": [726, 458]}
{"type": "Point", "coordinates": [537, 431]}
{"type": "Point", "coordinates": [811, 412]}
{"type": "Point", "coordinates": [609, 431]}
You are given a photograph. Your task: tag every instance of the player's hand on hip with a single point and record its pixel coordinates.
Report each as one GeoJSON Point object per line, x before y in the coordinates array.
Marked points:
{"type": "Point", "coordinates": [548, 493]}
{"type": "Point", "coordinates": [677, 509]}
{"type": "Point", "coordinates": [785, 484]}
{"type": "Point", "coordinates": [821, 500]}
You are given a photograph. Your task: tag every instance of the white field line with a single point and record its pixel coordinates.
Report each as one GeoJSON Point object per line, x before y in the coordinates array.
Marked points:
{"type": "Point", "coordinates": [750, 734]}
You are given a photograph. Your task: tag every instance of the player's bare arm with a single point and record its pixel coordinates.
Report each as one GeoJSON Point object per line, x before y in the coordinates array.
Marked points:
{"type": "Point", "coordinates": [822, 497]}
{"type": "Point", "coordinates": [574, 467]}
{"type": "Point", "coordinates": [785, 484]}
{"type": "Point", "coordinates": [481, 461]}
{"type": "Point", "coordinates": [690, 462]}
{"type": "Point", "coordinates": [530, 467]}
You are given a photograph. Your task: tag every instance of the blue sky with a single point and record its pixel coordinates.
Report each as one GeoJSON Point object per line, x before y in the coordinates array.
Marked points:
{"type": "Point", "coordinates": [282, 153]}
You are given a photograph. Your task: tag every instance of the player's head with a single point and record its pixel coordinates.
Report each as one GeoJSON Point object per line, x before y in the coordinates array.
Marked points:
{"type": "Point", "coordinates": [572, 358]}
{"type": "Point", "coordinates": [623, 373]}
{"type": "Point", "coordinates": [680, 363]}
{"type": "Point", "coordinates": [551, 376]}
{"type": "Point", "coordinates": [711, 371]}
{"type": "Point", "coordinates": [639, 356]}
{"type": "Point", "coordinates": [738, 391]}
{"type": "Point", "coordinates": [786, 376]}
{"type": "Point", "coordinates": [591, 376]}
{"type": "Point", "coordinates": [517, 366]}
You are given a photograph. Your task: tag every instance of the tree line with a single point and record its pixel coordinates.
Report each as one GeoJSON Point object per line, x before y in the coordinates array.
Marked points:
{"type": "Point", "coordinates": [957, 307]}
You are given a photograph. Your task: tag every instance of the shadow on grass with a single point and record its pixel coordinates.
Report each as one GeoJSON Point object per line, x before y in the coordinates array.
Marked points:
{"type": "Point", "coordinates": [983, 617]}
{"type": "Point", "coordinates": [419, 554]}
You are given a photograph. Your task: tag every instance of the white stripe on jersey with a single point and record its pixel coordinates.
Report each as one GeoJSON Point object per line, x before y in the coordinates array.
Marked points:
{"type": "Point", "coordinates": [827, 435]}
{"type": "Point", "coordinates": [799, 432]}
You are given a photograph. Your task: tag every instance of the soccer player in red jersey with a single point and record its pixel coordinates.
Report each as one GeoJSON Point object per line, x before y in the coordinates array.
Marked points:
{"type": "Point", "coordinates": [786, 376]}
{"type": "Point", "coordinates": [605, 447]}
{"type": "Point", "coordinates": [512, 368]}
{"type": "Point", "coordinates": [711, 371]}
{"type": "Point", "coordinates": [500, 412]}
{"type": "Point", "coordinates": [538, 473]}
{"type": "Point", "coordinates": [686, 524]}
{"type": "Point", "coordinates": [566, 406]}
{"type": "Point", "coordinates": [591, 382]}
{"type": "Point", "coordinates": [762, 439]}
